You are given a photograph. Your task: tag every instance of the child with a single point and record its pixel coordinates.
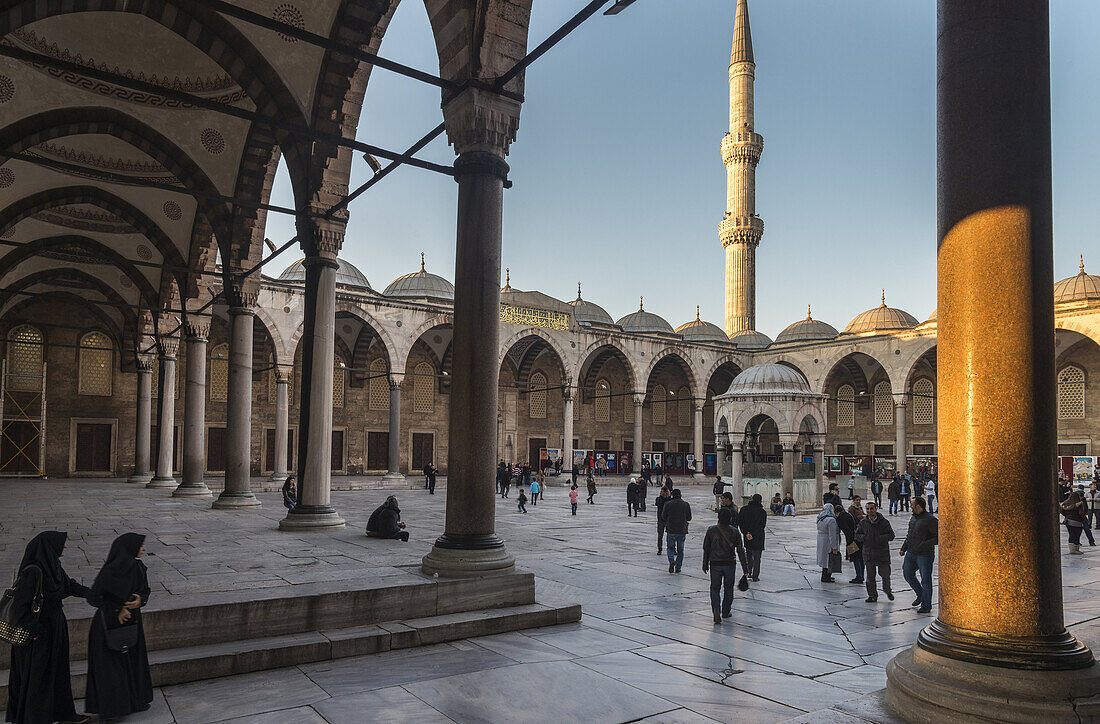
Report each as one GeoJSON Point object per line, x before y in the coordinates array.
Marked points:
{"type": "Point", "coordinates": [535, 490]}
{"type": "Point", "coordinates": [522, 500]}
{"type": "Point", "coordinates": [573, 496]}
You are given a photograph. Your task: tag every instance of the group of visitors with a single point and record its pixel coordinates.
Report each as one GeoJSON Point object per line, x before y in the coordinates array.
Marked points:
{"type": "Point", "coordinates": [1080, 511]}
{"type": "Point", "coordinates": [518, 475]}
{"type": "Point", "coordinates": [782, 506]}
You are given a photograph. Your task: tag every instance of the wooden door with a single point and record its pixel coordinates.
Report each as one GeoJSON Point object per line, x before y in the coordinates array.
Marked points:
{"type": "Point", "coordinates": [423, 449]}
{"type": "Point", "coordinates": [215, 449]}
{"type": "Point", "coordinates": [93, 447]}
{"type": "Point", "coordinates": [269, 450]}
{"type": "Point", "coordinates": [378, 447]}
{"type": "Point", "coordinates": [337, 450]}
{"type": "Point", "coordinates": [534, 447]}
{"type": "Point", "coordinates": [19, 449]}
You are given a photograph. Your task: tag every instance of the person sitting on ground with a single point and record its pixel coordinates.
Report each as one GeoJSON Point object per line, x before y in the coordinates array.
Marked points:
{"type": "Point", "coordinates": [290, 495]}
{"type": "Point", "coordinates": [385, 522]}
{"type": "Point", "coordinates": [788, 505]}
{"type": "Point", "coordinates": [777, 504]}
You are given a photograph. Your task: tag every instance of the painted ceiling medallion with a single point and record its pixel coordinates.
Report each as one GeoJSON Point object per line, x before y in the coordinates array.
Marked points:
{"type": "Point", "coordinates": [7, 177]}
{"type": "Point", "coordinates": [7, 89]}
{"type": "Point", "coordinates": [289, 14]}
{"type": "Point", "coordinates": [173, 211]}
{"type": "Point", "coordinates": [212, 141]}
{"type": "Point", "coordinates": [347, 329]}
{"type": "Point", "coordinates": [125, 281]}
{"type": "Point", "coordinates": [144, 252]}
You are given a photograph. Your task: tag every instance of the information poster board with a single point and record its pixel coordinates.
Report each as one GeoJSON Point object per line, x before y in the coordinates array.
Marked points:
{"type": "Point", "coordinates": [1084, 468]}
{"type": "Point", "coordinates": [885, 468]}
{"type": "Point", "coordinates": [579, 459]}
{"type": "Point", "coordinates": [626, 462]}
{"type": "Point", "coordinates": [834, 463]}
{"type": "Point", "coordinates": [658, 459]}
{"type": "Point", "coordinates": [612, 462]}
{"type": "Point", "coordinates": [691, 462]}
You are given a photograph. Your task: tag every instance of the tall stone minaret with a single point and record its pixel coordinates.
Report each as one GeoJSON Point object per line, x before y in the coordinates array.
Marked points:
{"type": "Point", "coordinates": [741, 228]}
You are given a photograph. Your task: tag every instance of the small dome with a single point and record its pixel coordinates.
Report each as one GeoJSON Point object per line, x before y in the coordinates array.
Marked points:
{"type": "Point", "coordinates": [644, 322]}
{"type": "Point", "coordinates": [768, 379]}
{"type": "Point", "coordinates": [881, 319]}
{"type": "Point", "coordinates": [750, 339]}
{"type": "Point", "coordinates": [807, 330]}
{"type": "Point", "coordinates": [346, 274]}
{"type": "Point", "coordinates": [700, 331]}
{"type": "Point", "coordinates": [587, 312]}
{"type": "Point", "coordinates": [1083, 287]}
{"type": "Point", "coordinates": [421, 285]}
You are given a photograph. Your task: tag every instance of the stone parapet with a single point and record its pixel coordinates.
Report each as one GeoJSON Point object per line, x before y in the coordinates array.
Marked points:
{"type": "Point", "coordinates": [743, 146]}
{"type": "Point", "coordinates": [740, 230]}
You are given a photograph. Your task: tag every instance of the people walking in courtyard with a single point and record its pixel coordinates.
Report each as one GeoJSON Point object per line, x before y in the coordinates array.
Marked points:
{"type": "Point", "coordinates": [676, 514]}
{"type": "Point", "coordinates": [632, 498]}
{"type": "Point", "coordinates": [919, 553]}
{"type": "Point", "coordinates": [1092, 505]}
{"type": "Point", "coordinates": [906, 493]}
{"type": "Point", "coordinates": [119, 682]}
{"type": "Point", "coordinates": [894, 494]}
{"type": "Point", "coordinates": [851, 486]}
{"type": "Point", "coordinates": [536, 489]}
{"type": "Point", "coordinates": [385, 522]}
{"type": "Point", "coordinates": [719, 488]}
{"type": "Point", "coordinates": [752, 520]}
{"type": "Point", "coordinates": [788, 504]}
{"type": "Point", "coordinates": [668, 482]}
{"type": "Point", "coordinates": [722, 548]}
{"type": "Point", "coordinates": [643, 490]}
{"type": "Point", "coordinates": [662, 497]}
{"type": "Point", "coordinates": [1073, 510]}
{"type": "Point", "coordinates": [725, 500]}
{"type": "Point", "coordinates": [828, 542]}
{"type": "Point", "coordinates": [776, 505]}
{"type": "Point", "coordinates": [290, 495]}
{"type": "Point", "coordinates": [591, 488]}
{"type": "Point", "coordinates": [521, 501]}
{"type": "Point", "coordinates": [39, 684]}
{"type": "Point", "coordinates": [876, 491]}
{"type": "Point", "coordinates": [430, 471]}
{"type": "Point", "coordinates": [847, 523]}
{"type": "Point", "coordinates": [930, 495]}
{"type": "Point", "coordinates": [874, 534]}
{"type": "Point", "coordinates": [573, 497]}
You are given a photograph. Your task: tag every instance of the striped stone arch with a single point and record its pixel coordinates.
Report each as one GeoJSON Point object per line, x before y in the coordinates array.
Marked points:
{"type": "Point", "coordinates": [582, 362]}
{"type": "Point", "coordinates": [1082, 327]}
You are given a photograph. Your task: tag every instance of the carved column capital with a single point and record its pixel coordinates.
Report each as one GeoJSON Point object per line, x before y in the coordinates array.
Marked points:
{"type": "Point", "coordinates": [197, 327]}
{"type": "Point", "coordinates": [481, 120]}
{"type": "Point", "coordinates": [320, 237]}
{"type": "Point", "coordinates": [145, 362]}
{"type": "Point", "coordinates": [395, 380]}
{"type": "Point", "coordinates": [282, 373]}
{"type": "Point", "coordinates": [168, 347]}
{"type": "Point", "coordinates": [240, 295]}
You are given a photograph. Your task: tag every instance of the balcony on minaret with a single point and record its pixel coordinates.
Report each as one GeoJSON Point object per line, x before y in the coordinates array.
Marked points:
{"type": "Point", "coordinates": [740, 230]}
{"type": "Point", "coordinates": [742, 146]}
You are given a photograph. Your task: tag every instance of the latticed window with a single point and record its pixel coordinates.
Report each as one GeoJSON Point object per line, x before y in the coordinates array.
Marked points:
{"type": "Point", "coordinates": [1071, 393]}
{"type": "Point", "coordinates": [378, 389]}
{"type": "Point", "coordinates": [628, 409]}
{"type": "Point", "coordinates": [884, 404]}
{"type": "Point", "coordinates": [424, 388]}
{"type": "Point", "coordinates": [538, 396]}
{"type": "Point", "coordinates": [339, 378]}
{"type": "Point", "coordinates": [660, 405]}
{"type": "Point", "coordinates": [684, 412]}
{"type": "Point", "coordinates": [846, 406]}
{"type": "Point", "coordinates": [219, 373]}
{"type": "Point", "coordinates": [603, 401]}
{"type": "Point", "coordinates": [924, 402]}
{"type": "Point", "coordinates": [25, 358]}
{"type": "Point", "coordinates": [95, 367]}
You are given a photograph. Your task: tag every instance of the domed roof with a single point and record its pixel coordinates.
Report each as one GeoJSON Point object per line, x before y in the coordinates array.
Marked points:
{"type": "Point", "coordinates": [768, 379]}
{"type": "Point", "coordinates": [644, 322]}
{"type": "Point", "coordinates": [587, 312]}
{"type": "Point", "coordinates": [807, 330]}
{"type": "Point", "coordinates": [1080, 288]}
{"type": "Point", "coordinates": [421, 285]}
{"type": "Point", "coordinates": [346, 274]}
{"type": "Point", "coordinates": [700, 331]}
{"type": "Point", "coordinates": [880, 319]}
{"type": "Point", "coordinates": [750, 339]}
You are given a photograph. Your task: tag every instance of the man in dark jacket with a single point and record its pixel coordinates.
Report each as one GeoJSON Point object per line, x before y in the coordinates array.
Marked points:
{"type": "Point", "coordinates": [876, 491]}
{"type": "Point", "coordinates": [874, 533]}
{"type": "Point", "coordinates": [719, 488]}
{"type": "Point", "coordinates": [663, 497]}
{"type": "Point", "coordinates": [385, 522]}
{"type": "Point", "coordinates": [720, 546]}
{"type": "Point", "coordinates": [632, 498]}
{"type": "Point", "coordinates": [752, 520]}
{"type": "Point", "coordinates": [894, 494]}
{"type": "Point", "coordinates": [833, 496]}
{"type": "Point", "coordinates": [676, 514]}
{"type": "Point", "coordinates": [919, 551]}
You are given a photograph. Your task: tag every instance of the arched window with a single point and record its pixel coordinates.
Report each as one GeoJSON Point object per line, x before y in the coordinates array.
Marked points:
{"type": "Point", "coordinates": [603, 401]}
{"type": "Point", "coordinates": [628, 408]}
{"type": "Point", "coordinates": [378, 389]}
{"type": "Point", "coordinates": [538, 396]}
{"type": "Point", "coordinates": [924, 402]}
{"type": "Point", "coordinates": [1071, 393]}
{"type": "Point", "coordinates": [339, 377]}
{"type": "Point", "coordinates": [884, 404]}
{"type": "Point", "coordinates": [219, 373]}
{"type": "Point", "coordinates": [660, 405]}
{"type": "Point", "coordinates": [25, 354]}
{"type": "Point", "coordinates": [424, 388]}
{"type": "Point", "coordinates": [684, 401]}
{"type": "Point", "coordinates": [846, 406]}
{"type": "Point", "coordinates": [95, 366]}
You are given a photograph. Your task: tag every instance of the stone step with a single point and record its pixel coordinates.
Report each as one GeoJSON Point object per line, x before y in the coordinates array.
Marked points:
{"type": "Point", "coordinates": [193, 663]}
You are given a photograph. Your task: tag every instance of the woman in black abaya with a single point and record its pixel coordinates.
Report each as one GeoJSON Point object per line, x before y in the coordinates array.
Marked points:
{"type": "Point", "coordinates": [39, 689]}
{"type": "Point", "coordinates": [119, 683]}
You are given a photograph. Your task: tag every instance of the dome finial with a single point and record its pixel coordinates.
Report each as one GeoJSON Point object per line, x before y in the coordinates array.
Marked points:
{"type": "Point", "coordinates": [1082, 266]}
{"type": "Point", "coordinates": [507, 278]}
{"type": "Point", "coordinates": [641, 305]}
{"type": "Point", "coordinates": [697, 318]}
{"type": "Point", "coordinates": [578, 291]}
{"type": "Point", "coordinates": [883, 297]}
{"type": "Point", "coordinates": [809, 315]}
{"type": "Point", "coordinates": [421, 261]}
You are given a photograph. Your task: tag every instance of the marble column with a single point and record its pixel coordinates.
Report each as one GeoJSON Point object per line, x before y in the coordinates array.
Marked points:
{"type": "Point", "coordinates": [697, 442]}
{"type": "Point", "coordinates": [567, 425]}
{"type": "Point", "coordinates": [819, 468]}
{"type": "Point", "coordinates": [788, 467]}
{"type": "Point", "coordinates": [737, 471]}
{"type": "Point", "coordinates": [238, 414]}
{"type": "Point", "coordinates": [166, 422]}
{"type": "Point", "coordinates": [469, 545]}
{"type": "Point", "coordinates": [393, 475]}
{"type": "Point", "coordinates": [639, 401]}
{"type": "Point", "coordinates": [900, 443]}
{"type": "Point", "coordinates": [194, 412]}
{"type": "Point", "coordinates": [999, 649]}
{"type": "Point", "coordinates": [720, 455]}
{"type": "Point", "coordinates": [314, 510]}
{"type": "Point", "coordinates": [282, 423]}
{"type": "Point", "coordinates": [144, 419]}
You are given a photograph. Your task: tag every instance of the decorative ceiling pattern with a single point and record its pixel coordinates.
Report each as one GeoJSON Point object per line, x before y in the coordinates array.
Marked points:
{"type": "Point", "coordinates": [86, 220]}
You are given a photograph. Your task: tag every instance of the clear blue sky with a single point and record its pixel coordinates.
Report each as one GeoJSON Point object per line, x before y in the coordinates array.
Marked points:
{"type": "Point", "coordinates": [619, 183]}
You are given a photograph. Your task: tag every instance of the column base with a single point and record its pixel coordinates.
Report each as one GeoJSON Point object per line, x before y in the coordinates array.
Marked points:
{"type": "Point", "coordinates": [926, 688]}
{"type": "Point", "coordinates": [311, 517]}
{"type": "Point", "coordinates": [395, 478]}
{"type": "Point", "coordinates": [142, 478]}
{"type": "Point", "coordinates": [278, 477]}
{"type": "Point", "coordinates": [158, 482]}
{"type": "Point", "coordinates": [234, 499]}
{"type": "Point", "coordinates": [468, 556]}
{"type": "Point", "coordinates": [192, 490]}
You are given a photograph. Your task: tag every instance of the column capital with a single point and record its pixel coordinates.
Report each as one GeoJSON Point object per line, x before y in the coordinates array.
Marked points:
{"type": "Point", "coordinates": [320, 237]}
{"type": "Point", "coordinates": [639, 399]}
{"type": "Point", "coordinates": [144, 362]}
{"type": "Point", "coordinates": [282, 373]}
{"type": "Point", "coordinates": [900, 402]}
{"type": "Point", "coordinates": [240, 297]}
{"type": "Point", "coordinates": [196, 327]}
{"type": "Point", "coordinates": [395, 379]}
{"type": "Point", "coordinates": [481, 120]}
{"type": "Point", "coordinates": [736, 446]}
{"type": "Point", "coordinates": [167, 347]}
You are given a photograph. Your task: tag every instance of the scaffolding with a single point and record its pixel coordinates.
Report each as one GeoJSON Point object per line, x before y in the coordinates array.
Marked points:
{"type": "Point", "coordinates": [22, 423]}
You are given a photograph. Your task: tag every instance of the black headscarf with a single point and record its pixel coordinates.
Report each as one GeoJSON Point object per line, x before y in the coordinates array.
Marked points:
{"type": "Point", "coordinates": [122, 575]}
{"type": "Point", "coordinates": [44, 551]}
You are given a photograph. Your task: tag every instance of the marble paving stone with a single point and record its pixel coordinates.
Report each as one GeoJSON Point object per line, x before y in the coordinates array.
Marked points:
{"type": "Point", "coordinates": [361, 673]}
{"type": "Point", "coordinates": [678, 716]}
{"type": "Point", "coordinates": [794, 691]}
{"type": "Point", "coordinates": [586, 642]}
{"type": "Point", "coordinates": [826, 716]}
{"type": "Point", "coordinates": [297, 715]}
{"type": "Point", "coordinates": [521, 648]}
{"type": "Point", "coordinates": [393, 705]}
{"type": "Point", "coordinates": [863, 679]}
{"type": "Point", "coordinates": [218, 699]}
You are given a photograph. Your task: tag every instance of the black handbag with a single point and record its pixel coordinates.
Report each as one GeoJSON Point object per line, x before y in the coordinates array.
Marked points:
{"type": "Point", "coordinates": [17, 623]}
{"type": "Point", "coordinates": [120, 638]}
{"type": "Point", "coordinates": [834, 562]}
{"type": "Point", "coordinates": [743, 584]}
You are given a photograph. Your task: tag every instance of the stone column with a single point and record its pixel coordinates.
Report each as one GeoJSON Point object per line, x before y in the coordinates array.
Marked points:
{"type": "Point", "coordinates": [900, 443]}
{"type": "Point", "coordinates": [697, 443]}
{"type": "Point", "coordinates": [567, 425]}
{"type": "Point", "coordinates": [194, 410]}
{"type": "Point", "coordinates": [144, 419]}
{"type": "Point", "coordinates": [999, 649]}
{"type": "Point", "coordinates": [393, 475]}
{"type": "Point", "coordinates": [737, 471]}
{"type": "Point", "coordinates": [639, 400]}
{"type": "Point", "coordinates": [819, 467]}
{"type": "Point", "coordinates": [166, 423]}
{"type": "Point", "coordinates": [788, 467]}
{"type": "Point", "coordinates": [238, 409]}
{"type": "Point", "coordinates": [282, 423]}
{"type": "Point", "coordinates": [720, 455]}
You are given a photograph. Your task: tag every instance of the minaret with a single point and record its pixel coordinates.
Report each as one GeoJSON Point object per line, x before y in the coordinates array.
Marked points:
{"type": "Point", "coordinates": [741, 228]}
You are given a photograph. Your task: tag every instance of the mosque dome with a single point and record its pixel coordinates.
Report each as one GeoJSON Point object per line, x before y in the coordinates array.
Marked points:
{"type": "Point", "coordinates": [587, 312]}
{"type": "Point", "coordinates": [768, 379]}
{"type": "Point", "coordinates": [807, 330]}
{"type": "Point", "coordinates": [421, 285]}
{"type": "Point", "coordinates": [700, 331]}
{"type": "Point", "coordinates": [1080, 288]}
{"type": "Point", "coordinates": [881, 319]}
{"type": "Point", "coordinates": [346, 274]}
{"type": "Point", "coordinates": [750, 339]}
{"type": "Point", "coordinates": [644, 322]}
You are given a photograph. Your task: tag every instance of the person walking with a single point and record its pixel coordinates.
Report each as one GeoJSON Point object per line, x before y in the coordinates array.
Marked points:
{"type": "Point", "coordinates": [676, 514]}
{"type": "Point", "coordinates": [119, 682]}
{"type": "Point", "coordinates": [930, 495]}
{"type": "Point", "coordinates": [573, 497]}
{"type": "Point", "coordinates": [876, 491]}
{"type": "Point", "coordinates": [643, 491]}
{"type": "Point", "coordinates": [385, 522]}
{"type": "Point", "coordinates": [632, 498]}
{"type": "Point", "coordinates": [535, 490]}
{"type": "Point", "coordinates": [847, 523]}
{"type": "Point", "coordinates": [430, 471]}
{"type": "Point", "coordinates": [290, 495]}
{"type": "Point", "coordinates": [894, 494]}
{"type": "Point", "coordinates": [662, 497]}
{"type": "Point", "coordinates": [752, 519]}
{"type": "Point", "coordinates": [718, 489]}
{"type": "Point", "coordinates": [833, 496]}
{"type": "Point", "coordinates": [1092, 505]}
{"type": "Point", "coordinates": [591, 488]}
{"type": "Point", "coordinates": [39, 682]}
{"type": "Point", "coordinates": [851, 486]}
{"type": "Point", "coordinates": [521, 501]}
{"type": "Point", "coordinates": [1073, 509]}
{"type": "Point", "coordinates": [525, 470]}
{"type": "Point", "coordinates": [906, 493]}
{"type": "Point", "coordinates": [500, 478]}
{"type": "Point", "coordinates": [919, 553]}
{"type": "Point", "coordinates": [828, 541]}
{"type": "Point", "coordinates": [874, 534]}
{"type": "Point", "coordinates": [721, 544]}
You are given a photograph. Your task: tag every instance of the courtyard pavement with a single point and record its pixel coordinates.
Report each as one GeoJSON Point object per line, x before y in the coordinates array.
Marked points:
{"type": "Point", "coordinates": [645, 650]}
